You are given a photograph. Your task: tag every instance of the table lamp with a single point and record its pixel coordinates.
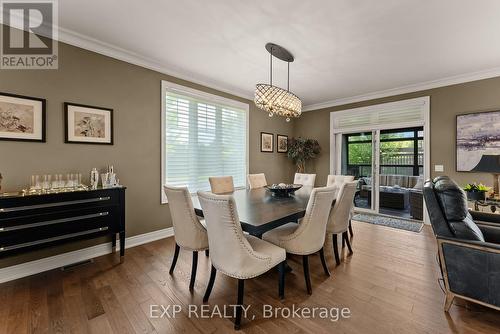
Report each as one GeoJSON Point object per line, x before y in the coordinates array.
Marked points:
{"type": "Point", "coordinates": [490, 163]}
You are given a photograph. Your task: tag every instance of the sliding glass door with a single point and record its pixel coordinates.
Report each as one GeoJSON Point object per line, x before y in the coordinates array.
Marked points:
{"type": "Point", "coordinates": [388, 165]}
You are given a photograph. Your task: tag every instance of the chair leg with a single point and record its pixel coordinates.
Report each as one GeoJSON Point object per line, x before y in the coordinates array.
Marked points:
{"type": "Point", "coordinates": [174, 260]}
{"type": "Point", "coordinates": [207, 252]}
{"type": "Point", "coordinates": [239, 303]}
{"type": "Point", "coordinates": [350, 228]}
{"type": "Point", "coordinates": [336, 249]}
{"type": "Point", "coordinates": [281, 283]}
{"type": "Point", "coordinates": [193, 270]}
{"type": "Point", "coordinates": [323, 262]}
{"type": "Point", "coordinates": [210, 285]}
{"type": "Point", "coordinates": [346, 237]}
{"type": "Point", "coordinates": [343, 241]}
{"type": "Point", "coordinates": [305, 264]}
{"type": "Point", "coordinates": [449, 301]}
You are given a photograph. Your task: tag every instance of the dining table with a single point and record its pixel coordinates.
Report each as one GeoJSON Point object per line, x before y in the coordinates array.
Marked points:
{"type": "Point", "coordinates": [260, 211]}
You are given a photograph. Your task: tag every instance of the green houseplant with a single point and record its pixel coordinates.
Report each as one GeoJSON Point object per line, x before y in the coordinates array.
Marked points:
{"type": "Point", "coordinates": [301, 149]}
{"type": "Point", "coordinates": [476, 192]}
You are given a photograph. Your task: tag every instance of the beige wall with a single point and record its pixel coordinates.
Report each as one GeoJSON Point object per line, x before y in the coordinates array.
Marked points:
{"type": "Point", "coordinates": [446, 103]}
{"type": "Point", "coordinates": [134, 94]}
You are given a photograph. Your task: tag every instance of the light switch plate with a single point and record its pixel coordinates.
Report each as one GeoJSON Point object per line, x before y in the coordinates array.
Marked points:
{"type": "Point", "coordinates": [438, 168]}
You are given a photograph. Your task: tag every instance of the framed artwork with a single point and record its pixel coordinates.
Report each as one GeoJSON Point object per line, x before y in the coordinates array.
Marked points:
{"type": "Point", "coordinates": [266, 142]}
{"type": "Point", "coordinates": [281, 143]}
{"type": "Point", "coordinates": [22, 118]}
{"type": "Point", "coordinates": [478, 135]}
{"type": "Point", "coordinates": [87, 124]}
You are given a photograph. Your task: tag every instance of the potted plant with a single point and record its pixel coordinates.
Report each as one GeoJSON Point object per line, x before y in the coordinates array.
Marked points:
{"type": "Point", "coordinates": [476, 192]}
{"type": "Point", "coordinates": [300, 150]}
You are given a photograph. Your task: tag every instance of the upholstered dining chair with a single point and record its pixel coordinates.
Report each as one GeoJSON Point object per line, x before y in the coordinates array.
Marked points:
{"type": "Point", "coordinates": [257, 180]}
{"type": "Point", "coordinates": [340, 216]}
{"type": "Point", "coordinates": [233, 253]}
{"type": "Point", "coordinates": [307, 180]}
{"type": "Point", "coordinates": [338, 180]}
{"type": "Point", "coordinates": [308, 236]}
{"type": "Point", "coordinates": [221, 184]}
{"type": "Point", "coordinates": [189, 233]}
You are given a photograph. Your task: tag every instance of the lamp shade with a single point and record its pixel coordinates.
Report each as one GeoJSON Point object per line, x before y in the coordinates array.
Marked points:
{"type": "Point", "coordinates": [489, 163]}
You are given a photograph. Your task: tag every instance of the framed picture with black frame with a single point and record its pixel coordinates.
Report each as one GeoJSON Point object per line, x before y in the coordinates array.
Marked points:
{"type": "Point", "coordinates": [86, 124]}
{"type": "Point", "coordinates": [281, 143]}
{"type": "Point", "coordinates": [22, 118]}
{"type": "Point", "coordinates": [266, 142]}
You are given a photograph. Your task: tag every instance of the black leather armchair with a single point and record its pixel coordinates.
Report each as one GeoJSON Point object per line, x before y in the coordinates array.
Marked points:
{"type": "Point", "coordinates": [469, 249]}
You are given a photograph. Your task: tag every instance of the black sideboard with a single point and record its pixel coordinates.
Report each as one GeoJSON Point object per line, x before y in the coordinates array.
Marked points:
{"type": "Point", "coordinates": [30, 222]}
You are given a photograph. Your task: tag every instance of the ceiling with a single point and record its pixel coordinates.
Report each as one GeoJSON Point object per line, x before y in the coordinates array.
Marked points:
{"type": "Point", "coordinates": [343, 49]}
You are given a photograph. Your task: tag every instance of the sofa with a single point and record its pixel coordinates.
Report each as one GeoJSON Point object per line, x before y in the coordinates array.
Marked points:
{"type": "Point", "coordinates": [398, 192]}
{"type": "Point", "coordinates": [468, 244]}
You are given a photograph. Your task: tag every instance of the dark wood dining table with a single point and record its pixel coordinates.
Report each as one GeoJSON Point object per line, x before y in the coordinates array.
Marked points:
{"type": "Point", "coordinates": [259, 211]}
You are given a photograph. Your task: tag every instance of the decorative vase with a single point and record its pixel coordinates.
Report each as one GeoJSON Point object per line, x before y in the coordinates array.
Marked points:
{"type": "Point", "coordinates": [476, 195]}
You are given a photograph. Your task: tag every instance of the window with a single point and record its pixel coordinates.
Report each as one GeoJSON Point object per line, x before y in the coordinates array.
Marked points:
{"type": "Point", "coordinates": [203, 135]}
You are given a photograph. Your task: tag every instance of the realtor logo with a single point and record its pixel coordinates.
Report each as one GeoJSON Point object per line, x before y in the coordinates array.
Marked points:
{"type": "Point", "coordinates": [29, 34]}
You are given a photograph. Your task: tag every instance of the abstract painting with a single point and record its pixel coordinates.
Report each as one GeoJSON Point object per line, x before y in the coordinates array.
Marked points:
{"type": "Point", "coordinates": [88, 124]}
{"type": "Point", "coordinates": [266, 142]}
{"type": "Point", "coordinates": [22, 118]}
{"type": "Point", "coordinates": [477, 135]}
{"type": "Point", "coordinates": [281, 143]}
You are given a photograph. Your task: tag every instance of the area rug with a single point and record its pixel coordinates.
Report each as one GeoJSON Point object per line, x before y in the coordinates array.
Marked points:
{"type": "Point", "coordinates": [400, 223]}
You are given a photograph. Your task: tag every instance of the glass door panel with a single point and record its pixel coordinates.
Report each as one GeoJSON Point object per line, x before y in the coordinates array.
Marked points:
{"type": "Point", "coordinates": [357, 160]}
{"type": "Point", "coordinates": [400, 155]}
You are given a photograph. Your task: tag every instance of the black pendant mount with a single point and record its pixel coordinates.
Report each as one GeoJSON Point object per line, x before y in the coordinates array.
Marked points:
{"type": "Point", "coordinates": [279, 52]}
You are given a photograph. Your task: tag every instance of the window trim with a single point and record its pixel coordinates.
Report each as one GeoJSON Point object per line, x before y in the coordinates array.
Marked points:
{"type": "Point", "coordinates": [213, 98]}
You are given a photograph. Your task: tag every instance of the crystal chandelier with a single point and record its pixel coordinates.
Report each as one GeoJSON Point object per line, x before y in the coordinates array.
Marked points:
{"type": "Point", "coordinates": [273, 99]}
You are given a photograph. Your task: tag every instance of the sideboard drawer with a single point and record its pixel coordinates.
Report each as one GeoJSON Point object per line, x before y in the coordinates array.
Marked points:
{"type": "Point", "coordinates": [35, 221]}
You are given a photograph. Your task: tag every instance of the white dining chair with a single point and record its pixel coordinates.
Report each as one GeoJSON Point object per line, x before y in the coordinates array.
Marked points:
{"type": "Point", "coordinates": [338, 180]}
{"type": "Point", "coordinates": [340, 217]}
{"type": "Point", "coordinates": [189, 232]}
{"type": "Point", "coordinates": [257, 180]}
{"type": "Point", "coordinates": [308, 236]}
{"type": "Point", "coordinates": [307, 180]}
{"type": "Point", "coordinates": [233, 253]}
{"type": "Point", "coordinates": [221, 184]}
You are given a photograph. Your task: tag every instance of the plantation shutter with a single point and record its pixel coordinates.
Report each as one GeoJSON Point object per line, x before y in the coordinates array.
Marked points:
{"type": "Point", "coordinates": [203, 137]}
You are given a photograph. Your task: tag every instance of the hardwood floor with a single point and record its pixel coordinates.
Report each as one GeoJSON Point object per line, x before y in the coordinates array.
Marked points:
{"type": "Point", "coordinates": [390, 285]}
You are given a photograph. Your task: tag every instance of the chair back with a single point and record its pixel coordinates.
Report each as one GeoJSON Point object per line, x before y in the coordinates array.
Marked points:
{"type": "Point", "coordinates": [307, 180]}
{"type": "Point", "coordinates": [188, 231]}
{"type": "Point", "coordinates": [448, 210]}
{"type": "Point", "coordinates": [338, 220]}
{"type": "Point", "coordinates": [257, 180]}
{"type": "Point", "coordinates": [338, 180]}
{"type": "Point", "coordinates": [230, 252]}
{"type": "Point", "coordinates": [310, 235]}
{"type": "Point", "coordinates": [221, 184]}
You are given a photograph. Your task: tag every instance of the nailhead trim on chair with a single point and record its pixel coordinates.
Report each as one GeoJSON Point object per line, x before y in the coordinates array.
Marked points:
{"type": "Point", "coordinates": [250, 251]}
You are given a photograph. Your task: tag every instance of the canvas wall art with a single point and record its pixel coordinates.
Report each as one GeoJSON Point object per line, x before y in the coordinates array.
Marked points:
{"type": "Point", "coordinates": [88, 124]}
{"type": "Point", "coordinates": [22, 118]}
{"type": "Point", "coordinates": [477, 135]}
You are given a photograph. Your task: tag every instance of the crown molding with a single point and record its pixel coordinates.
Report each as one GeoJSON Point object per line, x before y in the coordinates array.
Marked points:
{"type": "Point", "coordinates": [453, 80]}
{"type": "Point", "coordinates": [88, 43]}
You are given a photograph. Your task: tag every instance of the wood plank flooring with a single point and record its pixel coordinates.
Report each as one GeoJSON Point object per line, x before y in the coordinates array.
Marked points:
{"type": "Point", "coordinates": [390, 284]}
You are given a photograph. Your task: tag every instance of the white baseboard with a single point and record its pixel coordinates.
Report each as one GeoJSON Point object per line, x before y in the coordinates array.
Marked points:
{"type": "Point", "coordinates": [60, 260]}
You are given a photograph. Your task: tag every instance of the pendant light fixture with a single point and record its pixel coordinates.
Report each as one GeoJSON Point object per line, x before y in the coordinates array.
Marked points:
{"type": "Point", "coordinates": [273, 99]}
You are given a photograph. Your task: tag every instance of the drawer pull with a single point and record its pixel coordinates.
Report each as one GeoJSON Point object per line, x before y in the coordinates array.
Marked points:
{"type": "Point", "coordinates": [43, 241]}
{"type": "Point", "coordinates": [52, 222]}
{"type": "Point", "coordinates": [50, 205]}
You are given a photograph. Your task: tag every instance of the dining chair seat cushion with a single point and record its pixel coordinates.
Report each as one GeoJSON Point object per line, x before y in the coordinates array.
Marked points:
{"type": "Point", "coordinates": [276, 253]}
{"type": "Point", "coordinates": [284, 236]}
